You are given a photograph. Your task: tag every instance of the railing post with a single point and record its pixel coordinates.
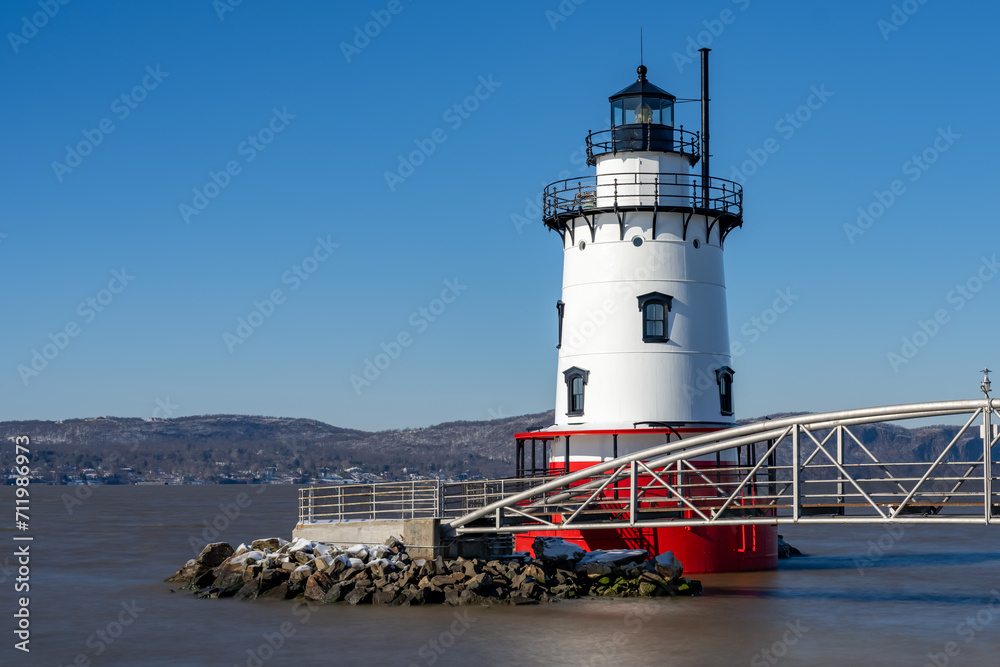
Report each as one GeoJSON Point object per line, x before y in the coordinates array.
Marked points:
{"type": "Point", "coordinates": [633, 488]}
{"type": "Point", "coordinates": [795, 473]}
{"type": "Point", "coordinates": [840, 460]}
{"type": "Point", "coordinates": [988, 461]}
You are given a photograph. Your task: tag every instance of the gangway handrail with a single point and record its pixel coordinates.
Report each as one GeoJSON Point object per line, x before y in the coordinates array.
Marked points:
{"type": "Point", "coordinates": [662, 455]}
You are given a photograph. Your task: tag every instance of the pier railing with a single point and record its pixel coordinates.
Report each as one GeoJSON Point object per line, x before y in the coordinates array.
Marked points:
{"type": "Point", "coordinates": [419, 499]}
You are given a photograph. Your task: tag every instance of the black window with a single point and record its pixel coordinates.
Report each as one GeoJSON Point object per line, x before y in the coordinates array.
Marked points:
{"type": "Point", "coordinates": [576, 380]}
{"type": "Point", "coordinates": [561, 308]}
{"type": "Point", "coordinates": [654, 307]}
{"type": "Point", "coordinates": [724, 376]}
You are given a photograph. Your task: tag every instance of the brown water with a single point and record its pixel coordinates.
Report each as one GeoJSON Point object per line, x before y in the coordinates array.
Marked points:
{"type": "Point", "coordinates": [98, 569]}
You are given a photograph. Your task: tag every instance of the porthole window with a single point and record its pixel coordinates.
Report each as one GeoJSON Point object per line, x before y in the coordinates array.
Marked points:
{"type": "Point", "coordinates": [697, 244]}
{"type": "Point", "coordinates": [583, 244]}
{"type": "Point", "coordinates": [637, 241]}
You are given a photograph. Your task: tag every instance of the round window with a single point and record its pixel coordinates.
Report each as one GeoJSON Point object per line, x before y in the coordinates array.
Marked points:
{"type": "Point", "coordinates": [637, 241]}
{"type": "Point", "coordinates": [697, 244]}
{"type": "Point", "coordinates": [583, 244]}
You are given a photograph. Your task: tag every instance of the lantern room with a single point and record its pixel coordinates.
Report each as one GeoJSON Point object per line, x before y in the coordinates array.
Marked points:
{"type": "Point", "coordinates": [642, 120]}
{"type": "Point", "coordinates": [642, 103]}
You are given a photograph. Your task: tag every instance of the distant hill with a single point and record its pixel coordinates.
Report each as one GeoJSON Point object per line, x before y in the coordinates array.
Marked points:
{"type": "Point", "coordinates": [239, 448]}
{"type": "Point", "coordinates": [221, 448]}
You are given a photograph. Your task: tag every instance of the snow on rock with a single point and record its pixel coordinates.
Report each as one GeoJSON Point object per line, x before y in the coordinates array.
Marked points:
{"type": "Point", "coordinates": [668, 566]}
{"type": "Point", "coordinates": [358, 551]}
{"type": "Point", "coordinates": [301, 544]}
{"type": "Point", "coordinates": [239, 559]}
{"type": "Point", "coordinates": [378, 552]}
{"type": "Point", "coordinates": [615, 557]}
{"type": "Point", "coordinates": [322, 549]}
{"type": "Point", "coordinates": [557, 549]}
{"type": "Point", "coordinates": [356, 564]}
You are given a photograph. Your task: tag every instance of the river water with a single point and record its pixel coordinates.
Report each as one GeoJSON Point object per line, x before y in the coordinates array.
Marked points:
{"type": "Point", "coordinates": [921, 596]}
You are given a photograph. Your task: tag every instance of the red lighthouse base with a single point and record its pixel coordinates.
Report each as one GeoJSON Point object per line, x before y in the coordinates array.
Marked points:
{"type": "Point", "coordinates": [700, 548]}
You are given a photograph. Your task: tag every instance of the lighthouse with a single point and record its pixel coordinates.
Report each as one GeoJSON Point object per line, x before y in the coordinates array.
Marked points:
{"type": "Point", "coordinates": [643, 335]}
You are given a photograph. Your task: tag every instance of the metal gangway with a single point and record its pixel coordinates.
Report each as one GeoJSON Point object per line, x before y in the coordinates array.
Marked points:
{"type": "Point", "coordinates": [813, 468]}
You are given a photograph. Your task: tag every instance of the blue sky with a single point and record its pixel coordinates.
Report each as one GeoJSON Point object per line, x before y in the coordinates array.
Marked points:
{"type": "Point", "coordinates": [249, 155]}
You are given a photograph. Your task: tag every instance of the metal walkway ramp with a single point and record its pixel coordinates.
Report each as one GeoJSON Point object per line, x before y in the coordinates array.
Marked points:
{"type": "Point", "coordinates": [805, 469]}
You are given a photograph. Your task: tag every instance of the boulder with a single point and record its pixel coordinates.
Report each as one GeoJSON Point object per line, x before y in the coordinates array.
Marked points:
{"type": "Point", "coordinates": [689, 587]}
{"type": "Point", "coordinates": [557, 549]}
{"type": "Point", "coordinates": [279, 592]}
{"type": "Point", "coordinates": [301, 544]}
{"type": "Point", "coordinates": [594, 570]}
{"type": "Point", "coordinates": [300, 574]}
{"type": "Point", "coordinates": [214, 554]}
{"type": "Point", "coordinates": [482, 584]}
{"type": "Point", "coordinates": [536, 573]}
{"type": "Point", "coordinates": [468, 597]}
{"type": "Point", "coordinates": [668, 566]}
{"type": "Point", "coordinates": [270, 544]}
{"type": "Point", "coordinates": [786, 550]}
{"type": "Point", "coordinates": [614, 557]}
{"type": "Point", "coordinates": [323, 563]}
{"type": "Point", "coordinates": [378, 552]}
{"type": "Point", "coordinates": [228, 580]}
{"type": "Point", "coordinates": [188, 574]}
{"type": "Point", "coordinates": [451, 597]}
{"type": "Point", "coordinates": [250, 591]}
{"type": "Point", "coordinates": [381, 567]}
{"type": "Point", "coordinates": [360, 595]}
{"type": "Point", "coordinates": [337, 592]}
{"type": "Point", "coordinates": [358, 551]}
{"type": "Point", "coordinates": [271, 579]}
{"type": "Point", "coordinates": [442, 580]}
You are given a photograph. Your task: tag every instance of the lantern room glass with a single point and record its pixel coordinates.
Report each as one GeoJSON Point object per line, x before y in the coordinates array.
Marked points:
{"type": "Point", "coordinates": [641, 110]}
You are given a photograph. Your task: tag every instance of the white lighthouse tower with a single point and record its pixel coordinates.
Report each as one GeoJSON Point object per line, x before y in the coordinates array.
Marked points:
{"type": "Point", "coordinates": [643, 332]}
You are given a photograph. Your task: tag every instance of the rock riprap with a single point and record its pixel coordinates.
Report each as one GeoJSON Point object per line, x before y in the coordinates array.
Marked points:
{"type": "Point", "coordinates": [385, 574]}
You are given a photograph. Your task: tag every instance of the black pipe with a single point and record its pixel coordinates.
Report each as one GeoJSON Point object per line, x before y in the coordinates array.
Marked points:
{"type": "Point", "coordinates": [704, 127]}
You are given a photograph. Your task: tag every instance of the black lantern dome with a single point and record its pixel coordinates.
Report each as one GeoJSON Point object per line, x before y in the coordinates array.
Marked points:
{"type": "Point", "coordinates": [642, 103]}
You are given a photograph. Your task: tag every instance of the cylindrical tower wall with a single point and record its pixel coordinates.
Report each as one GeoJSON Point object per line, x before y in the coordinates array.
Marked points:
{"type": "Point", "coordinates": [631, 380]}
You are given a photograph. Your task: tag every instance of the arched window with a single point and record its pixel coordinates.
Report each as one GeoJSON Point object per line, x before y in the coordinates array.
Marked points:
{"type": "Point", "coordinates": [724, 376]}
{"type": "Point", "coordinates": [576, 380]}
{"type": "Point", "coordinates": [654, 307]}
